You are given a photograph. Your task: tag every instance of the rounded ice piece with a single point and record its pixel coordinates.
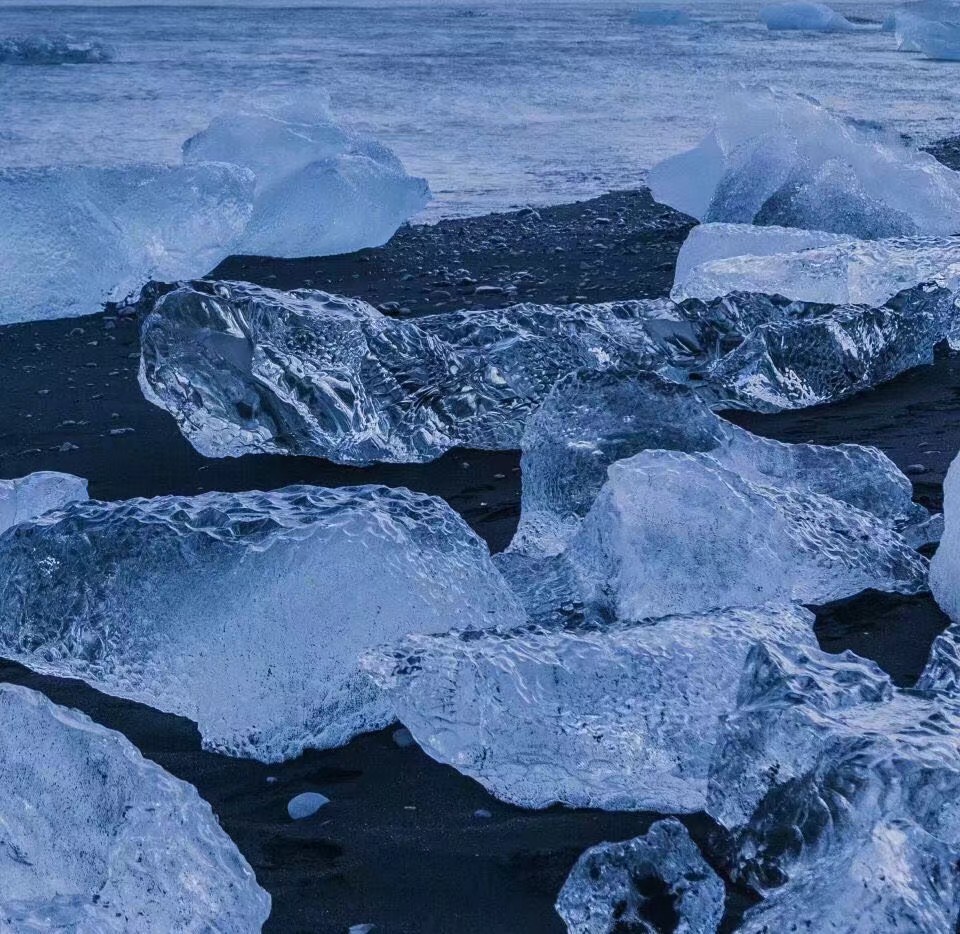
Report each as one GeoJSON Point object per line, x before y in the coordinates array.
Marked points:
{"type": "Point", "coordinates": [810, 17]}
{"type": "Point", "coordinates": [306, 804]}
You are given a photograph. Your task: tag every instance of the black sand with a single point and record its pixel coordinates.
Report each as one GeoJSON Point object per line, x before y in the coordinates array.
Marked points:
{"type": "Point", "coordinates": [400, 846]}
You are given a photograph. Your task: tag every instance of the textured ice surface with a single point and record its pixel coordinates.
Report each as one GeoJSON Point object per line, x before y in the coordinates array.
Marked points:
{"type": "Point", "coordinates": [247, 369]}
{"type": "Point", "coordinates": [660, 16]}
{"type": "Point", "coordinates": [672, 532]}
{"type": "Point", "coordinates": [945, 565]}
{"type": "Point", "coordinates": [819, 354]}
{"type": "Point", "coordinates": [320, 190]}
{"type": "Point", "coordinates": [812, 17]}
{"type": "Point", "coordinates": [868, 272]}
{"type": "Point", "coordinates": [53, 50]}
{"type": "Point", "coordinates": [781, 159]}
{"type": "Point", "coordinates": [276, 594]}
{"type": "Point", "coordinates": [708, 242]}
{"type": "Point", "coordinates": [616, 718]}
{"type": "Point", "coordinates": [592, 419]}
{"type": "Point", "coordinates": [75, 237]}
{"type": "Point", "coordinates": [98, 840]}
{"type": "Point", "coordinates": [842, 795]}
{"type": "Point", "coordinates": [639, 884]}
{"type": "Point", "coordinates": [931, 27]}
{"type": "Point", "coordinates": [28, 497]}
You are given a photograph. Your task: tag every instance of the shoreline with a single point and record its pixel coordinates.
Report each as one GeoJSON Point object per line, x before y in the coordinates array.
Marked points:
{"type": "Point", "coordinates": [400, 846]}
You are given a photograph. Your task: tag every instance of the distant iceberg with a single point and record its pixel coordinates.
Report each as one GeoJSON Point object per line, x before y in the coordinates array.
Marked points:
{"type": "Point", "coordinates": [928, 26]}
{"type": "Point", "coordinates": [781, 159]}
{"type": "Point", "coordinates": [661, 16]}
{"type": "Point", "coordinates": [287, 184]}
{"type": "Point", "coordinates": [811, 17]}
{"type": "Point", "coordinates": [53, 50]}
{"type": "Point", "coordinates": [98, 839]}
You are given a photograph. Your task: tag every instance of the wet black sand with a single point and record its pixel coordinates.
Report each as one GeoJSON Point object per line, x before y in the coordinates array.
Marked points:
{"type": "Point", "coordinates": [400, 846]}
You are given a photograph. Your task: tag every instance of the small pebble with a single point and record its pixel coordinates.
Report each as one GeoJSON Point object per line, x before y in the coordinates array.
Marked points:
{"type": "Point", "coordinates": [915, 469]}
{"type": "Point", "coordinates": [306, 804]}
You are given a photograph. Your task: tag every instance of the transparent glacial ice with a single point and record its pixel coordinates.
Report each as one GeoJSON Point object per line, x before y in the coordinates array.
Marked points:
{"type": "Point", "coordinates": [840, 793]}
{"type": "Point", "coordinates": [625, 886]}
{"type": "Point", "coordinates": [621, 718]}
{"type": "Point", "coordinates": [945, 564]}
{"type": "Point", "coordinates": [53, 50]}
{"type": "Point", "coordinates": [99, 840]}
{"type": "Point", "coordinates": [28, 497]}
{"type": "Point", "coordinates": [591, 419]}
{"type": "Point", "coordinates": [244, 369]}
{"type": "Point", "coordinates": [76, 237]}
{"type": "Point", "coordinates": [725, 258]}
{"type": "Point", "coordinates": [782, 159]}
{"type": "Point", "coordinates": [929, 26]}
{"type": "Point", "coordinates": [806, 16]}
{"type": "Point", "coordinates": [268, 592]}
{"type": "Point", "coordinates": [284, 184]}
{"type": "Point", "coordinates": [319, 189]}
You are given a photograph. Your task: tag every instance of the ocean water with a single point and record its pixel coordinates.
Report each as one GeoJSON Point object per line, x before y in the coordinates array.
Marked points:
{"type": "Point", "coordinates": [497, 103]}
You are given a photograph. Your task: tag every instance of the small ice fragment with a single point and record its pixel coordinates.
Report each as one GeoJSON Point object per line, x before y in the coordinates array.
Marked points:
{"type": "Point", "coordinates": [306, 804]}
{"type": "Point", "coordinates": [482, 814]}
{"type": "Point", "coordinates": [403, 737]}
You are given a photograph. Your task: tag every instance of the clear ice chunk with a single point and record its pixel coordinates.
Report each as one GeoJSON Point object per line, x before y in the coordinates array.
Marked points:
{"type": "Point", "coordinates": [31, 496]}
{"type": "Point", "coordinates": [99, 840]}
{"type": "Point", "coordinates": [810, 17]}
{"type": "Point", "coordinates": [591, 419]}
{"type": "Point", "coordinates": [930, 26]}
{"type": "Point", "coordinates": [657, 882]}
{"type": "Point", "coordinates": [319, 189]}
{"type": "Point", "coordinates": [620, 718]}
{"type": "Point", "coordinates": [75, 237]}
{"type": "Point", "coordinates": [945, 564]}
{"type": "Point", "coordinates": [722, 259]}
{"type": "Point", "coordinates": [53, 50]}
{"type": "Point", "coordinates": [782, 159]}
{"type": "Point", "coordinates": [245, 369]}
{"type": "Point", "coordinates": [672, 532]}
{"type": "Point", "coordinates": [245, 612]}
{"type": "Point", "coordinates": [840, 793]}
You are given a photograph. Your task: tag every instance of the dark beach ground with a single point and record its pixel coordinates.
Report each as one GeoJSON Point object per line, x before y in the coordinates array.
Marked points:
{"type": "Point", "coordinates": [399, 846]}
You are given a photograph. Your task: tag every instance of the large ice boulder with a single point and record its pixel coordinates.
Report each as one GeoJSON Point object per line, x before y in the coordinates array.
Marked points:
{"type": "Point", "coordinates": [53, 50]}
{"type": "Point", "coordinates": [319, 189]}
{"type": "Point", "coordinates": [929, 26]}
{"type": "Point", "coordinates": [945, 565]}
{"type": "Point", "coordinates": [245, 369]}
{"type": "Point", "coordinates": [245, 612]}
{"type": "Point", "coordinates": [776, 158]}
{"type": "Point", "coordinates": [74, 237]}
{"type": "Point", "coordinates": [591, 419]}
{"type": "Point", "coordinates": [841, 795]}
{"type": "Point", "coordinates": [804, 15]}
{"type": "Point", "coordinates": [98, 839]}
{"type": "Point", "coordinates": [28, 497]}
{"type": "Point", "coordinates": [725, 258]}
{"type": "Point", "coordinates": [291, 183]}
{"type": "Point", "coordinates": [620, 718]}
{"type": "Point", "coordinates": [644, 884]}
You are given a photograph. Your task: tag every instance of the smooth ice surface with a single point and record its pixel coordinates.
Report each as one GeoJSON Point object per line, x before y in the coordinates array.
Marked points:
{"type": "Point", "coordinates": [945, 565]}
{"type": "Point", "coordinates": [818, 354]}
{"type": "Point", "coordinates": [931, 27]}
{"type": "Point", "coordinates": [592, 419]}
{"type": "Point", "coordinates": [282, 184]}
{"type": "Point", "coordinates": [306, 805]}
{"type": "Point", "coordinates": [869, 272]}
{"type": "Point", "coordinates": [811, 17]}
{"type": "Point", "coordinates": [75, 237]}
{"type": "Point", "coordinates": [841, 794]}
{"type": "Point", "coordinates": [271, 591]}
{"type": "Point", "coordinates": [31, 496]}
{"type": "Point", "coordinates": [672, 532]}
{"type": "Point", "coordinates": [246, 369]}
{"type": "Point", "coordinates": [708, 242]}
{"type": "Point", "coordinates": [98, 840]}
{"type": "Point", "coordinates": [53, 50]}
{"type": "Point", "coordinates": [319, 189]}
{"type": "Point", "coordinates": [618, 886]}
{"type": "Point", "coordinates": [781, 159]}
{"type": "Point", "coordinates": [620, 718]}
